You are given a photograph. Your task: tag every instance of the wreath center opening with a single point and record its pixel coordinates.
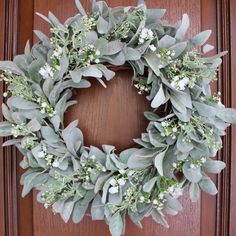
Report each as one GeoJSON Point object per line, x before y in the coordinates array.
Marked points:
{"type": "Point", "coordinates": [112, 115]}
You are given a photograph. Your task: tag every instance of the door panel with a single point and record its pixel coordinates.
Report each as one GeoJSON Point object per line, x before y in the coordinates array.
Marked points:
{"type": "Point", "coordinates": [106, 115]}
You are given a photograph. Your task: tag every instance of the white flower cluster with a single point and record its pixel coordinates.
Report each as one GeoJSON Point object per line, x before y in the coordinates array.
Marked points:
{"type": "Point", "coordinates": [197, 163]}
{"type": "Point", "coordinates": [89, 22]}
{"type": "Point", "coordinates": [28, 143]}
{"type": "Point", "coordinates": [169, 129]}
{"type": "Point", "coordinates": [89, 54]}
{"type": "Point", "coordinates": [117, 182]}
{"type": "Point", "coordinates": [142, 86]}
{"type": "Point", "coordinates": [51, 159]}
{"type": "Point", "coordinates": [57, 52]}
{"type": "Point", "coordinates": [89, 168]}
{"type": "Point", "coordinates": [145, 35]}
{"type": "Point", "coordinates": [47, 72]}
{"type": "Point", "coordinates": [179, 83]}
{"type": "Point", "coordinates": [46, 108]}
{"type": "Point", "coordinates": [20, 130]}
{"type": "Point", "coordinates": [165, 56]}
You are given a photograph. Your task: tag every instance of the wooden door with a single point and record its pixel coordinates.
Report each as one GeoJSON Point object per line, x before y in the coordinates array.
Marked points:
{"type": "Point", "coordinates": [114, 113]}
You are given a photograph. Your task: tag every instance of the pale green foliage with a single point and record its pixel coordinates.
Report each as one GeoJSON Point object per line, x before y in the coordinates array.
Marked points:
{"type": "Point", "coordinates": [140, 181]}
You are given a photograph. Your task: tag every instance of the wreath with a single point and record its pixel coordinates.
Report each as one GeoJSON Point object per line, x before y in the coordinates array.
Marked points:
{"type": "Point", "coordinates": [174, 154]}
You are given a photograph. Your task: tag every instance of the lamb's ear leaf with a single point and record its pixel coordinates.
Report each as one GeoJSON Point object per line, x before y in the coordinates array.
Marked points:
{"type": "Point", "coordinates": [116, 225]}
{"type": "Point", "coordinates": [43, 17]}
{"type": "Point", "coordinates": [208, 186]}
{"type": "Point", "coordinates": [194, 192]}
{"type": "Point", "coordinates": [80, 7]}
{"type": "Point", "coordinates": [201, 38]}
{"type": "Point", "coordinates": [181, 31]}
{"type": "Point", "coordinates": [11, 66]}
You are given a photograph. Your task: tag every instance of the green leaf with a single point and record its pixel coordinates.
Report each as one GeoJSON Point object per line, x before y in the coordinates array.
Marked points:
{"type": "Point", "coordinates": [112, 48]}
{"type": "Point", "coordinates": [132, 54]}
{"type": "Point", "coordinates": [81, 207]}
{"type": "Point", "coordinates": [49, 134]}
{"type": "Point", "coordinates": [76, 76]}
{"type": "Point", "coordinates": [192, 174]}
{"type": "Point", "coordinates": [67, 210]}
{"type": "Point", "coordinates": [31, 180]}
{"type": "Point", "coordinates": [212, 166]}
{"type": "Point", "coordinates": [97, 208]}
{"type": "Point", "coordinates": [159, 162]}
{"type": "Point", "coordinates": [141, 159]}
{"type": "Point", "coordinates": [227, 114]}
{"type": "Point", "coordinates": [151, 116]}
{"type": "Point", "coordinates": [21, 103]}
{"type": "Point", "coordinates": [181, 31]}
{"type": "Point", "coordinates": [205, 110]}
{"type": "Point", "coordinates": [10, 66]}
{"type": "Point", "coordinates": [159, 99]}
{"type": "Point", "coordinates": [148, 186]}
{"type": "Point", "coordinates": [158, 217]}
{"type": "Point", "coordinates": [166, 42]}
{"type": "Point", "coordinates": [116, 225]}
{"type": "Point", "coordinates": [194, 192]}
{"type": "Point", "coordinates": [108, 74]}
{"type": "Point", "coordinates": [102, 26]}
{"type": "Point", "coordinates": [200, 38]}
{"type": "Point", "coordinates": [6, 113]}
{"type": "Point", "coordinates": [208, 186]}
{"type": "Point", "coordinates": [182, 146]}
{"type": "Point", "coordinates": [153, 61]}
{"type": "Point", "coordinates": [179, 48]}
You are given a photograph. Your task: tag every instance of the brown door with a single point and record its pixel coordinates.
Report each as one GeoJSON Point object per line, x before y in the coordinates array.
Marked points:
{"type": "Point", "coordinates": [114, 113]}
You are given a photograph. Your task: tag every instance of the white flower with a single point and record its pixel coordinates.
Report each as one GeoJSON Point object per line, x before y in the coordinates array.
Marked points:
{"type": "Point", "coordinates": [121, 181]}
{"type": "Point", "coordinates": [150, 33]}
{"type": "Point", "coordinates": [155, 202]}
{"type": "Point", "coordinates": [92, 157]}
{"type": "Point", "coordinates": [203, 159]}
{"type": "Point", "coordinates": [46, 71]}
{"type": "Point", "coordinates": [174, 165]}
{"type": "Point", "coordinates": [141, 40]}
{"type": "Point", "coordinates": [131, 172]}
{"type": "Point", "coordinates": [144, 33]}
{"type": "Point", "coordinates": [97, 61]}
{"type": "Point", "coordinates": [113, 190]}
{"type": "Point", "coordinates": [175, 78]}
{"type": "Point", "coordinates": [44, 148]}
{"type": "Point", "coordinates": [152, 47]}
{"type": "Point", "coordinates": [57, 52]}
{"type": "Point", "coordinates": [192, 166]}
{"type": "Point", "coordinates": [160, 66]}
{"type": "Point", "coordinates": [163, 124]}
{"type": "Point", "coordinates": [5, 94]}
{"type": "Point", "coordinates": [104, 169]}
{"type": "Point", "coordinates": [122, 172]}
{"type": "Point", "coordinates": [112, 182]}
{"type": "Point", "coordinates": [174, 129]}
{"type": "Point", "coordinates": [161, 195]}
{"type": "Point", "coordinates": [44, 104]}
{"type": "Point", "coordinates": [56, 163]}
{"type": "Point", "coordinates": [97, 53]}
{"type": "Point", "coordinates": [170, 189]}
{"type": "Point", "coordinates": [41, 154]}
{"type": "Point", "coordinates": [42, 111]}
{"type": "Point", "coordinates": [182, 83]}
{"type": "Point", "coordinates": [168, 52]}
{"type": "Point", "coordinates": [141, 199]}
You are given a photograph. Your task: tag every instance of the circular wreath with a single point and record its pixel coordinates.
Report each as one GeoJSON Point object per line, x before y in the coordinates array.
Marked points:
{"type": "Point", "coordinates": [176, 151]}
